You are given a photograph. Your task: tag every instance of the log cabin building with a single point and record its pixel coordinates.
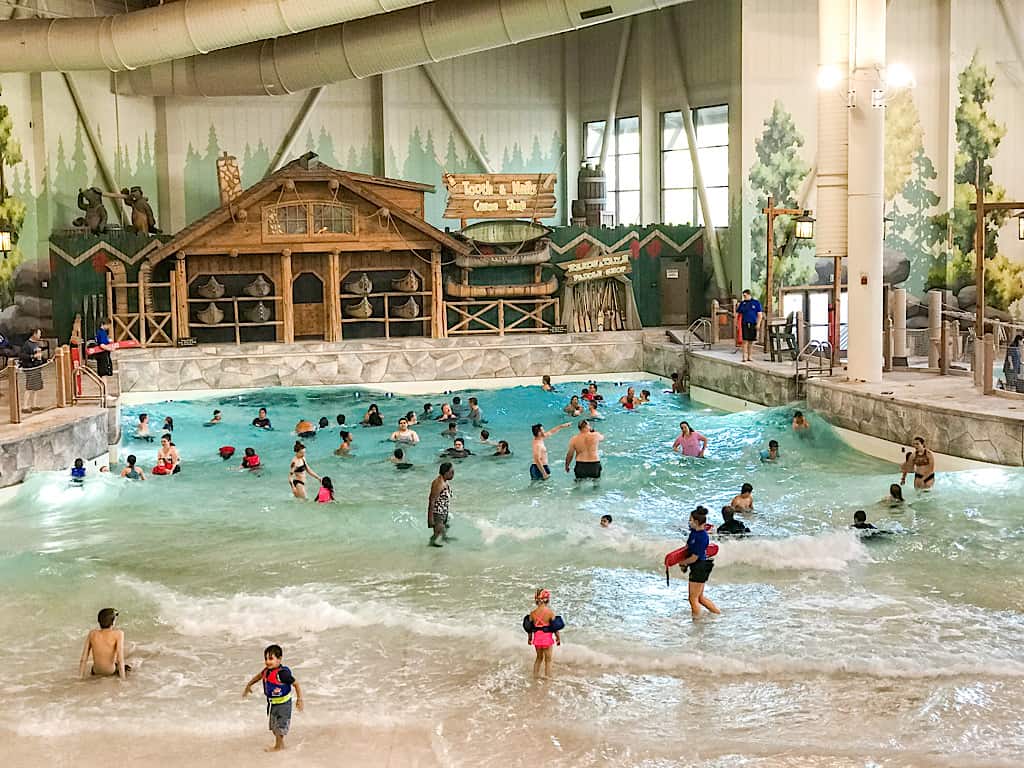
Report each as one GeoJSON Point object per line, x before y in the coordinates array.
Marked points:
{"type": "Point", "coordinates": [309, 252]}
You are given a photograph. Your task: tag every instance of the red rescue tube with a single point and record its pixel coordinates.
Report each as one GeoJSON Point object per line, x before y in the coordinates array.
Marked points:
{"type": "Point", "coordinates": [676, 556]}
{"type": "Point", "coordinates": [129, 344]}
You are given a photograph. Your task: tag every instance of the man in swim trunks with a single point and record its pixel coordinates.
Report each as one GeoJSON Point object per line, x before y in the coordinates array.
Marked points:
{"type": "Point", "coordinates": [749, 315]}
{"type": "Point", "coordinates": [540, 470]}
{"type": "Point", "coordinates": [106, 646]}
{"type": "Point", "coordinates": [583, 446]}
{"type": "Point", "coordinates": [744, 502]}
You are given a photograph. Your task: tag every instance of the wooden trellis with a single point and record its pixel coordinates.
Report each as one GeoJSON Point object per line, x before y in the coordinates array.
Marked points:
{"type": "Point", "coordinates": [518, 315]}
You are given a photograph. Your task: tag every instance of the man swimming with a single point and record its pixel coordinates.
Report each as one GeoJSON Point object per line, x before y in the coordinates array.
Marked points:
{"type": "Point", "coordinates": [744, 501]}
{"type": "Point", "coordinates": [540, 470]}
{"type": "Point", "coordinates": [583, 447]}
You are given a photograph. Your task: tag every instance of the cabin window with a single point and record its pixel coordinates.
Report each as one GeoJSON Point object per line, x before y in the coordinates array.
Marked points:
{"type": "Point", "coordinates": [289, 221]}
{"type": "Point", "coordinates": [333, 218]}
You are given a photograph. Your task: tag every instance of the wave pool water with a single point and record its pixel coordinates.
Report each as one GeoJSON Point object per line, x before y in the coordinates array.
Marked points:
{"type": "Point", "coordinates": [831, 650]}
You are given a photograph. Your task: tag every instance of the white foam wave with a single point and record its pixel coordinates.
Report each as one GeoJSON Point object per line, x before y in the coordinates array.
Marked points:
{"type": "Point", "coordinates": [491, 532]}
{"type": "Point", "coordinates": [832, 551]}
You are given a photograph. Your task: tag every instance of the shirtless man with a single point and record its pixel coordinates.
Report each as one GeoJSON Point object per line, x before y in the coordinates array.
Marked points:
{"type": "Point", "coordinates": [540, 470]}
{"type": "Point", "coordinates": [584, 447]}
{"type": "Point", "coordinates": [403, 434]}
{"type": "Point", "coordinates": [744, 502]}
{"type": "Point", "coordinates": [106, 645]}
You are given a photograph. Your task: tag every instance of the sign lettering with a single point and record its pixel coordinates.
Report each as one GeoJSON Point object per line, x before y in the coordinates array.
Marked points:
{"type": "Point", "coordinates": [597, 268]}
{"type": "Point", "coordinates": [500, 195]}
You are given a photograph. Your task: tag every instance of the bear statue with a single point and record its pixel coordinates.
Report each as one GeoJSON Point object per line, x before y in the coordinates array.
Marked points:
{"type": "Point", "coordinates": [95, 219]}
{"type": "Point", "coordinates": [143, 220]}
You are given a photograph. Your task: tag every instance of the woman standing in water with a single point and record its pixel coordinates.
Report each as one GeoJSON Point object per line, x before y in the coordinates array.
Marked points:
{"type": "Point", "coordinates": [922, 463]}
{"type": "Point", "coordinates": [439, 503]}
{"type": "Point", "coordinates": [690, 443]}
{"type": "Point", "coordinates": [297, 472]}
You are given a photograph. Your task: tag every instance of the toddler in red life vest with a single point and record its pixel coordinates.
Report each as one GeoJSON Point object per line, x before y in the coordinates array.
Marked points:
{"type": "Point", "coordinates": [250, 460]}
{"type": "Point", "coordinates": [278, 683]}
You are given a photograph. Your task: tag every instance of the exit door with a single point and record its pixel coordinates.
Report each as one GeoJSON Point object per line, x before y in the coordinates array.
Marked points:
{"type": "Point", "coordinates": [674, 284]}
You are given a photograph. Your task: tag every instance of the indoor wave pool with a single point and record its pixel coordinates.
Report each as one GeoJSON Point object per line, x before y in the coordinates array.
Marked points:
{"type": "Point", "coordinates": [899, 650]}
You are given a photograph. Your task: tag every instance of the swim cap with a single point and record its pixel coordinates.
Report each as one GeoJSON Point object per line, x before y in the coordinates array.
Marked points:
{"type": "Point", "coordinates": [226, 451]}
{"type": "Point", "coordinates": [543, 595]}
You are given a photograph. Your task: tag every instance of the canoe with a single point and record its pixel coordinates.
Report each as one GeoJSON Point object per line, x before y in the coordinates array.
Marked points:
{"type": "Point", "coordinates": [258, 314]}
{"type": "Point", "coordinates": [362, 286]}
{"type": "Point", "coordinates": [504, 232]}
{"type": "Point", "coordinates": [495, 291]}
{"type": "Point", "coordinates": [258, 288]}
{"type": "Point", "coordinates": [528, 259]}
{"type": "Point", "coordinates": [212, 315]}
{"type": "Point", "coordinates": [361, 309]}
{"type": "Point", "coordinates": [211, 289]}
{"type": "Point", "coordinates": [408, 283]}
{"type": "Point", "coordinates": [408, 310]}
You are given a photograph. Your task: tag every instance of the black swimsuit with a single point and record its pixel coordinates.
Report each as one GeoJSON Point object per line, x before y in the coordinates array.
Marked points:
{"type": "Point", "coordinates": [301, 469]}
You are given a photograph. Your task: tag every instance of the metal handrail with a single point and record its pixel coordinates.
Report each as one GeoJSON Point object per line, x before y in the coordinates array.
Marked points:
{"type": "Point", "coordinates": [700, 324]}
{"type": "Point", "coordinates": [821, 352]}
{"type": "Point", "coordinates": [89, 373]}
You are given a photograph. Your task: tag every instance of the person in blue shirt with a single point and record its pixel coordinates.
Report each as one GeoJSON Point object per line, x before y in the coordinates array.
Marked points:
{"type": "Point", "coordinates": [104, 363]}
{"type": "Point", "coordinates": [78, 472]}
{"type": "Point", "coordinates": [749, 314]}
{"type": "Point", "coordinates": [698, 563]}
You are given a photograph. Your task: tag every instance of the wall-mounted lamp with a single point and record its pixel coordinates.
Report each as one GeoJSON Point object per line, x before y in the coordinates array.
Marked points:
{"type": "Point", "coordinates": [803, 226]}
{"type": "Point", "coordinates": [6, 241]}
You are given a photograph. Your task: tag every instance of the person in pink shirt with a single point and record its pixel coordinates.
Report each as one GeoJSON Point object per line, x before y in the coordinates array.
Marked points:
{"type": "Point", "coordinates": [690, 443]}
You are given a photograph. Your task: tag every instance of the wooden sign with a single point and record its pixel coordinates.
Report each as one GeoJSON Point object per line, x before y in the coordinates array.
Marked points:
{"type": "Point", "coordinates": [599, 267]}
{"type": "Point", "coordinates": [558, 329]}
{"type": "Point", "coordinates": [187, 341]}
{"type": "Point", "coordinates": [500, 195]}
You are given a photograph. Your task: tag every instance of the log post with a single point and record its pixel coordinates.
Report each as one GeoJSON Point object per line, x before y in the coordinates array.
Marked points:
{"type": "Point", "coordinates": [439, 324]}
{"type": "Point", "coordinates": [286, 296]}
{"type": "Point", "coordinates": [181, 295]}
{"type": "Point", "coordinates": [332, 295]}
{"type": "Point", "coordinates": [13, 395]}
{"type": "Point", "coordinates": [58, 365]}
{"type": "Point", "coordinates": [143, 326]}
{"type": "Point", "coordinates": [990, 359]}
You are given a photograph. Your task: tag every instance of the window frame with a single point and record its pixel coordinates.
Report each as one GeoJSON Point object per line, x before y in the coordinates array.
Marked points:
{"type": "Point", "coordinates": [267, 214]}
{"type": "Point", "coordinates": [613, 157]}
{"type": "Point", "coordinates": [664, 182]}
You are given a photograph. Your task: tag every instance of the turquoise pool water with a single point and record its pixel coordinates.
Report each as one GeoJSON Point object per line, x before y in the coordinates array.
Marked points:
{"type": "Point", "coordinates": [831, 650]}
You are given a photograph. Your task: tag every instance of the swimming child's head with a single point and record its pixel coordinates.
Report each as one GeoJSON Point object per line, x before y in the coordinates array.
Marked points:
{"type": "Point", "coordinates": [860, 516]}
{"type": "Point", "coordinates": [747, 488]}
{"type": "Point", "coordinates": [250, 451]}
{"type": "Point", "coordinates": [131, 459]}
{"type": "Point", "coordinates": [79, 463]}
{"type": "Point", "coordinates": [216, 412]}
{"type": "Point", "coordinates": [272, 656]}
{"type": "Point", "coordinates": [773, 445]}
{"type": "Point", "coordinates": [340, 418]}
{"type": "Point", "coordinates": [346, 437]}
{"type": "Point", "coordinates": [143, 418]}
{"type": "Point", "coordinates": [606, 520]}
{"type": "Point", "coordinates": [545, 379]}
{"type": "Point", "coordinates": [503, 447]}
{"type": "Point", "coordinates": [398, 453]}
{"type": "Point", "coordinates": [484, 434]}
{"type": "Point", "coordinates": [106, 618]}
{"type": "Point", "coordinates": [542, 597]}
{"type": "Point", "coordinates": [323, 423]}
{"type": "Point", "coordinates": [896, 492]}
{"type": "Point", "coordinates": [456, 400]}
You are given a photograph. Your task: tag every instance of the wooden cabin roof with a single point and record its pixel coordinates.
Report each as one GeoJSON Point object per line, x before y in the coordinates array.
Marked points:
{"type": "Point", "coordinates": [301, 169]}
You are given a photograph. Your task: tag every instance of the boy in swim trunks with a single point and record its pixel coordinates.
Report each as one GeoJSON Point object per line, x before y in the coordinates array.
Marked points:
{"type": "Point", "coordinates": [106, 646]}
{"type": "Point", "coordinates": [583, 446]}
{"type": "Point", "coordinates": [278, 682]}
{"type": "Point", "coordinates": [744, 502]}
{"type": "Point", "coordinates": [540, 470]}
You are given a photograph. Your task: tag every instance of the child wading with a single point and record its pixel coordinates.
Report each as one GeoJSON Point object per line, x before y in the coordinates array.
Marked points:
{"type": "Point", "coordinates": [543, 637]}
{"type": "Point", "coordinates": [698, 563]}
{"type": "Point", "coordinates": [278, 682]}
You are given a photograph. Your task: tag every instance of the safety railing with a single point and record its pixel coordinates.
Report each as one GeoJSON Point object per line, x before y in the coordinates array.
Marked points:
{"type": "Point", "coordinates": [699, 334]}
{"type": "Point", "coordinates": [89, 386]}
{"type": "Point", "coordinates": [26, 392]}
{"type": "Point", "coordinates": [820, 354]}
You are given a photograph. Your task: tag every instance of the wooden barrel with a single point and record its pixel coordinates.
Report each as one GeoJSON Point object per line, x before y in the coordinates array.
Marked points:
{"type": "Point", "coordinates": [592, 186]}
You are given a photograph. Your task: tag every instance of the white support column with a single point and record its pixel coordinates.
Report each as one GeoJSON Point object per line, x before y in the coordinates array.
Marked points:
{"type": "Point", "coordinates": [866, 182]}
{"type": "Point", "coordinates": [573, 127]}
{"type": "Point", "coordinates": [830, 236]}
{"type": "Point", "coordinates": [613, 97]}
{"type": "Point", "coordinates": [899, 322]}
{"type": "Point", "coordinates": [650, 146]}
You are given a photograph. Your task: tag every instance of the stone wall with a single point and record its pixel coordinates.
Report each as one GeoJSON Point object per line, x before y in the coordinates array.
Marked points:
{"type": "Point", "coordinates": [233, 366]}
{"type": "Point", "coordinates": [977, 436]}
{"type": "Point", "coordinates": [745, 382]}
{"type": "Point", "coordinates": [55, 447]}
{"type": "Point", "coordinates": [664, 358]}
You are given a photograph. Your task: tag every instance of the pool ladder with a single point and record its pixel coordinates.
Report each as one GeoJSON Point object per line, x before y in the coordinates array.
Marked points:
{"type": "Point", "coordinates": [816, 357]}
{"type": "Point", "coordinates": [698, 334]}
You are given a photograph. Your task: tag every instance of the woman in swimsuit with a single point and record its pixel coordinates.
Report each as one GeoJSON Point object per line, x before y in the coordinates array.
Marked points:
{"type": "Point", "coordinates": [168, 456]}
{"type": "Point", "coordinates": [543, 641]}
{"type": "Point", "coordinates": [574, 408]}
{"type": "Point", "coordinates": [373, 417]}
{"type": "Point", "coordinates": [447, 414]}
{"type": "Point", "coordinates": [298, 470]}
{"type": "Point", "coordinates": [410, 417]}
{"type": "Point", "coordinates": [690, 443]}
{"type": "Point", "coordinates": [439, 503]}
{"type": "Point", "coordinates": [131, 471]}
{"type": "Point", "coordinates": [628, 400]}
{"type": "Point", "coordinates": [922, 463]}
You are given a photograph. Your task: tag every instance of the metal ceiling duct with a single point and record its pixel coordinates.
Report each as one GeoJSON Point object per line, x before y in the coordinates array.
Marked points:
{"type": "Point", "coordinates": [406, 38]}
{"type": "Point", "coordinates": [169, 31]}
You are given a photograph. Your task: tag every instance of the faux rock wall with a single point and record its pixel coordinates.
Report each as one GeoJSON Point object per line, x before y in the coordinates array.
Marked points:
{"type": "Point", "coordinates": [354, 362]}
{"type": "Point", "coordinates": [741, 381]}
{"type": "Point", "coordinates": [967, 435]}
{"type": "Point", "coordinates": [54, 448]}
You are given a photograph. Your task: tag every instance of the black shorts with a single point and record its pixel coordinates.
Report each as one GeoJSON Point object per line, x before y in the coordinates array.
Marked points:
{"type": "Point", "coordinates": [701, 570]}
{"type": "Point", "coordinates": [750, 331]}
{"type": "Point", "coordinates": [587, 470]}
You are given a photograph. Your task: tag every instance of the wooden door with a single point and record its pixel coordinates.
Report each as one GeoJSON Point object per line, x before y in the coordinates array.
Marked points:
{"type": "Point", "coordinates": [674, 284]}
{"type": "Point", "coordinates": [308, 305]}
